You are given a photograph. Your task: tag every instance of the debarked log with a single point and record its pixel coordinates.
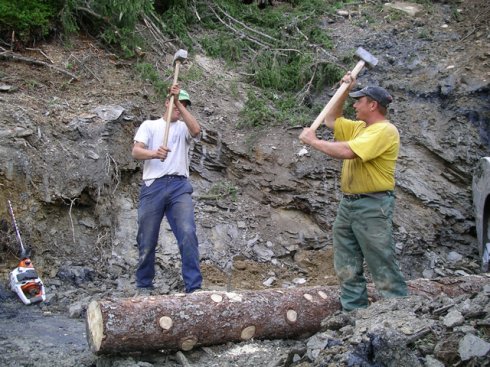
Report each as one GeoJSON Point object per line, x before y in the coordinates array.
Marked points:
{"type": "Point", "coordinates": [185, 321]}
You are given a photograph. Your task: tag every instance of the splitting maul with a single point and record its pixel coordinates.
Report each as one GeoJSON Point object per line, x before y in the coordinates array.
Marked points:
{"type": "Point", "coordinates": [24, 279]}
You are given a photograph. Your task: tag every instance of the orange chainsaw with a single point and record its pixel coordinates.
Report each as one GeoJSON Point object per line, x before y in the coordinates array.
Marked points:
{"type": "Point", "coordinates": [24, 279]}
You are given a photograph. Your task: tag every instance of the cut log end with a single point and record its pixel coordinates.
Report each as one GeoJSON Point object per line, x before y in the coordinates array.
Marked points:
{"type": "Point", "coordinates": [309, 297]}
{"type": "Point", "coordinates": [95, 326]}
{"type": "Point", "coordinates": [217, 298]}
{"type": "Point", "coordinates": [291, 316]}
{"type": "Point", "coordinates": [166, 322]}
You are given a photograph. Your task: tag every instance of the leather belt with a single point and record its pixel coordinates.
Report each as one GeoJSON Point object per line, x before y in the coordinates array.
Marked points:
{"type": "Point", "coordinates": [372, 195]}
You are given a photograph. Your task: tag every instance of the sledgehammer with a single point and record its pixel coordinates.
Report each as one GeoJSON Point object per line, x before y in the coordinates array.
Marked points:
{"type": "Point", "coordinates": [179, 57]}
{"type": "Point", "coordinates": [365, 59]}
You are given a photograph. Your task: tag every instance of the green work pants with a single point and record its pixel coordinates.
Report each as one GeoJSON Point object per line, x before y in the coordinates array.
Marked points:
{"type": "Point", "coordinates": [363, 230]}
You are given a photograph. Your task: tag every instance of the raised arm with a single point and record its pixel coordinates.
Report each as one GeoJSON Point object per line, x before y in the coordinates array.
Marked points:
{"type": "Point", "coordinates": [337, 107]}
{"type": "Point", "coordinates": [340, 150]}
{"type": "Point", "coordinates": [187, 117]}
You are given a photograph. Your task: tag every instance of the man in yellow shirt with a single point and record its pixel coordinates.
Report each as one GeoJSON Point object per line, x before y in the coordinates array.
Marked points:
{"type": "Point", "coordinates": [363, 228]}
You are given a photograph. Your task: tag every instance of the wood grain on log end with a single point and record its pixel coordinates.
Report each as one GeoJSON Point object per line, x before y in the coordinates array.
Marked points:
{"type": "Point", "coordinates": [166, 322]}
{"type": "Point", "coordinates": [291, 316]}
{"type": "Point", "coordinates": [217, 298]}
{"type": "Point", "coordinates": [95, 326]}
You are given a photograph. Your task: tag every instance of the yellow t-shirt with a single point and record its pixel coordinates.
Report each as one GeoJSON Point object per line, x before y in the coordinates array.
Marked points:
{"type": "Point", "coordinates": [377, 149]}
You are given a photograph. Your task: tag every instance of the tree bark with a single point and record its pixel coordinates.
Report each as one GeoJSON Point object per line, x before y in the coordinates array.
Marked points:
{"type": "Point", "coordinates": [184, 321]}
{"type": "Point", "coordinates": [450, 286]}
{"type": "Point", "coordinates": [206, 318]}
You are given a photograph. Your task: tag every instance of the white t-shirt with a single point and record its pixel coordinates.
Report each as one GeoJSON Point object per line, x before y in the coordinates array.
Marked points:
{"type": "Point", "coordinates": [177, 162]}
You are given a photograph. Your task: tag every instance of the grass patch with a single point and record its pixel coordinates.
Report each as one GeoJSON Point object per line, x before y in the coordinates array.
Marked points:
{"type": "Point", "coordinates": [150, 74]}
{"type": "Point", "coordinates": [221, 190]}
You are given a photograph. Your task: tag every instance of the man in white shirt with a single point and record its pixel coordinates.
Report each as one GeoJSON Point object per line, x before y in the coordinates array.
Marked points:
{"type": "Point", "coordinates": [166, 190]}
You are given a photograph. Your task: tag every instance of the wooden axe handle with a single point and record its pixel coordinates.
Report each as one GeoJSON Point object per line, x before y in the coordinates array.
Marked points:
{"type": "Point", "coordinates": [170, 105]}
{"type": "Point", "coordinates": [321, 117]}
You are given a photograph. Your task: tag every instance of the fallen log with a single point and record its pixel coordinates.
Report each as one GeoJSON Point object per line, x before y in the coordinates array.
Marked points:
{"type": "Point", "coordinates": [184, 321]}
{"type": "Point", "coordinates": [450, 286]}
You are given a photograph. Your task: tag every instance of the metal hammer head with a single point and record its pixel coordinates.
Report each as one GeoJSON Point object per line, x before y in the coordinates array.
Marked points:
{"type": "Point", "coordinates": [180, 56]}
{"type": "Point", "coordinates": [370, 60]}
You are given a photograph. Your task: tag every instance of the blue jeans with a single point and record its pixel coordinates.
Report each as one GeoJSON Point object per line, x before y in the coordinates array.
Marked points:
{"type": "Point", "coordinates": [363, 230]}
{"type": "Point", "coordinates": [168, 196]}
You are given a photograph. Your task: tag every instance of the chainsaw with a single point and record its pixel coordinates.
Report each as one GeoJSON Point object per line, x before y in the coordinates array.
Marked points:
{"type": "Point", "coordinates": [24, 279]}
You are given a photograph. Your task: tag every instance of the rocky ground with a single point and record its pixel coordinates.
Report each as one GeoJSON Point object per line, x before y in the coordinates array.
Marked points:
{"type": "Point", "coordinates": [264, 212]}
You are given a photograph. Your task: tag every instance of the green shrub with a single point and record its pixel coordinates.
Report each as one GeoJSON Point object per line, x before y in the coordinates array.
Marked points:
{"type": "Point", "coordinates": [178, 19]}
{"type": "Point", "coordinates": [223, 46]}
{"type": "Point", "coordinates": [281, 71]}
{"type": "Point", "coordinates": [280, 50]}
{"type": "Point", "coordinates": [31, 20]}
{"type": "Point", "coordinates": [222, 190]}
{"type": "Point", "coordinates": [113, 21]}
{"type": "Point", "coordinates": [256, 112]}
{"type": "Point", "coordinates": [149, 73]}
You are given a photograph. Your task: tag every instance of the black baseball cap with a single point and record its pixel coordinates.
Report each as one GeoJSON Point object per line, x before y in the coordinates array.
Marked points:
{"type": "Point", "coordinates": [379, 94]}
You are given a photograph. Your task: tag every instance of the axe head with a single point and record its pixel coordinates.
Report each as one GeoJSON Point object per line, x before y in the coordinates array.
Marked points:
{"type": "Point", "coordinates": [369, 59]}
{"type": "Point", "coordinates": [180, 56]}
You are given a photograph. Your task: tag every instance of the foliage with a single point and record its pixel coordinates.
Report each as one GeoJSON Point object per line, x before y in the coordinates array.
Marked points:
{"type": "Point", "coordinates": [148, 72]}
{"type": "Point", "coordinates": [281, 72]}
{"type": "Point", "coordinates": [30, 20]}
{"type": "Point", "coordinates": [222, 190]}
{"type": "Point", "coordinates": [272, 109]}
{"type": "Point", "coordinates": [256, 113]}
{"type": "Point", "coordinates": [282, 41]}
{"type": "Point", "coordinates": [113, 21]}
{"type": "Point", "coordinates": [223, 46]}
{"type": "Point", "coordinates": [282, 50]}
{"type": "Point", "coordinates": [178, 19]}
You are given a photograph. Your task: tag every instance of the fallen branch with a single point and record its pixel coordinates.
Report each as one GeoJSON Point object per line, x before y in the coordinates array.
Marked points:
{"type": "Point", "coordinates": [246, 26]}
{"type": "Point", "coordinates": [41, 52]}
{"type": "Point", "coordinates": [9, 55]}
{"type": "Point", "coordinates": [240, 33]}
{"type": "Point", "coordinates": [72, 201]}
{"type": "Point", "coordinates": [85, 67]}
{"type": "Point", "coordinates": [301, 95]}
{"type": "Point", "coordinates": [156, 33]}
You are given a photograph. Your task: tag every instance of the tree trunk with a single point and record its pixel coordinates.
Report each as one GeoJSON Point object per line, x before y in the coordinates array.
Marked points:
{"type": "Point", "coordinates": [183, 321]}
